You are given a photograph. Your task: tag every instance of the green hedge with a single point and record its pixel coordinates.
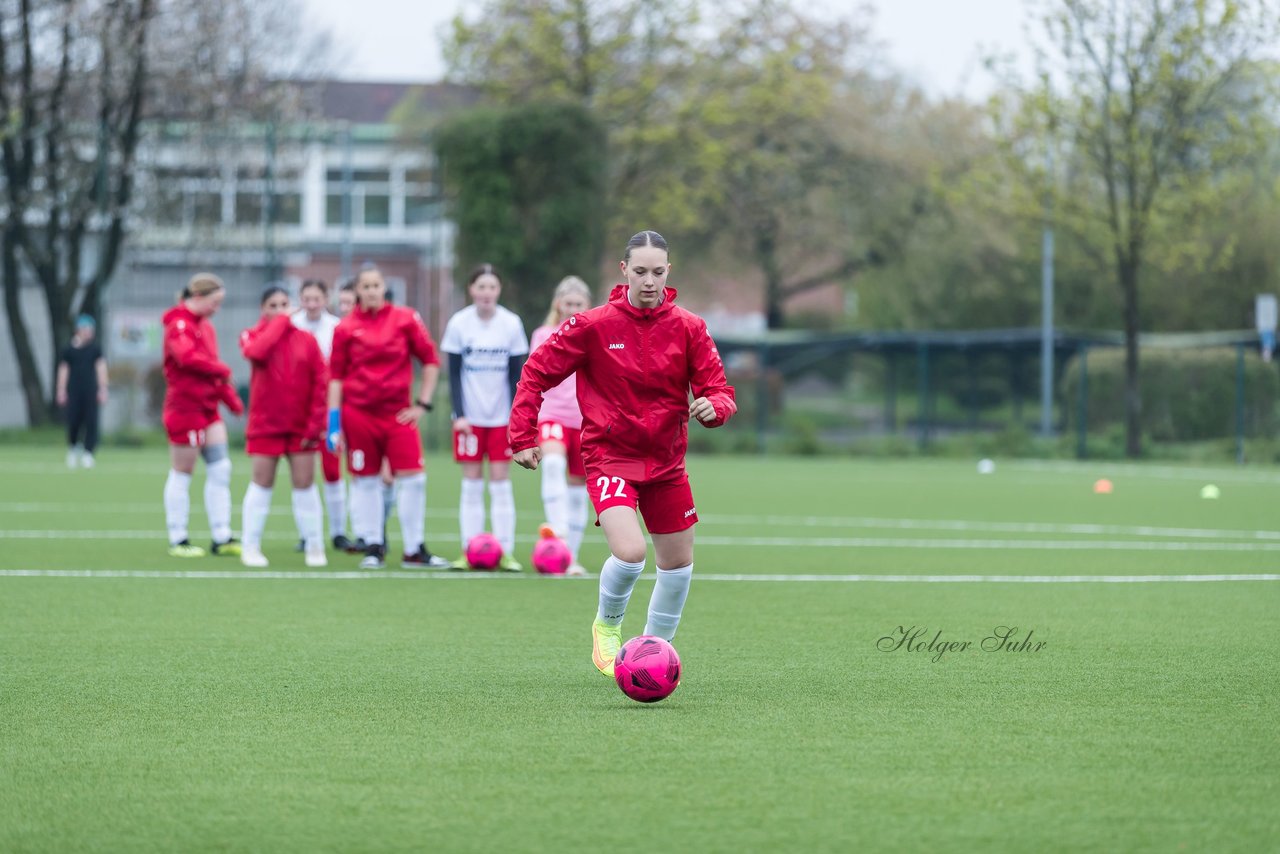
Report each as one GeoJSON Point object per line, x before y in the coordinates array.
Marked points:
{"type": "Point", "coordinates": [1187, 395]}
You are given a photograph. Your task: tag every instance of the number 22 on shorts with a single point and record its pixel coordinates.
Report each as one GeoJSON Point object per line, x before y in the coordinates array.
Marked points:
{"type": "Point", "coordinates": [606, 482]}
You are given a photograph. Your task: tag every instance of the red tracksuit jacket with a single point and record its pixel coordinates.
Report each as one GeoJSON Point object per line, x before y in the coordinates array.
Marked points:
{"type": "Point", "coordinates": [635, 369]}
{"type": "Point", "coordinates": [287, 394]}
{"type": "Point", "coordinates": [196, 379]}
{"type": "Point", "coordinates": [371, 355]}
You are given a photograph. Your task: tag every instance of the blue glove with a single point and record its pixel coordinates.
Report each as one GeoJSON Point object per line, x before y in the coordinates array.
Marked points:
{"type": "Point", "coordinates": [334, 431]}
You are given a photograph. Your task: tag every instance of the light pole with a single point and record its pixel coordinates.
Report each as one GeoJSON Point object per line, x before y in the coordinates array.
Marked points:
{"type": "Point", "coordinates": [1046, 303]}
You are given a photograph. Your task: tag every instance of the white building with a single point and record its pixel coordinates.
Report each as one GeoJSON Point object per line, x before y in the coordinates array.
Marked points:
{"type": "Point", "coordinates": [268, 202]}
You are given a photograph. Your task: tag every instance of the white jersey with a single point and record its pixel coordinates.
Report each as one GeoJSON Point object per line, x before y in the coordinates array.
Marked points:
{"type": "Point", "coordinates": [486, 347]}
{"type": "Point", "coordinates": [322, 329]}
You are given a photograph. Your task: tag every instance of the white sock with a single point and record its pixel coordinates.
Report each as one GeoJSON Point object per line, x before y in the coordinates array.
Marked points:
{"type": "Point", "coordinates": [411, 499]}
{"type": "Point", "coordinates": [502, 509]}
{"type": "Point", "coordinates": [471, 509]}
{"type": "Point", "coordinates": [306, 513]}
{"type": "Point", "coordinates": [366, 508]}
{"type": "Point", "coordinates": [616, 582]}
{"type": "Point", "coordinates": [217, 499]}
{"type": "Point", "coordinates": [667, 601]}
{"type": "Point", "coordinates": [555, 493]}
{"type": "Point", "coordinates": [253, 514]}
{"type": "Point", "coordinates": [335, 499]}
{"type": "Point", "coordinates": [578, 503]}
{"type": "Point", "coordinates": [177, 505]}
{"type": "Point", "coordinates": [388, 504]}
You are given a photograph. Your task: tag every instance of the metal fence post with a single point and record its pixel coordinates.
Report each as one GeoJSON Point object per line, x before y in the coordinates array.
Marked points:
{"type": "Point", "coordinates": [1240, 404]}
{"type": "Point", "coordinates": [1082, 410]}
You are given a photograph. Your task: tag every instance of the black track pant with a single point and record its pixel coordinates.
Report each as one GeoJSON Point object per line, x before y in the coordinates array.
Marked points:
{"type": "Point", "coordinates": [82, 420]}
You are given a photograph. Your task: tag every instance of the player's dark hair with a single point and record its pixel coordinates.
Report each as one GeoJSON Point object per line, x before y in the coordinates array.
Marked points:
{"type": "Point", "coordinates": [314, 283]}
{"type": "Point", "coordinates": [270, 291]}
{"type": "Point", "coordinates": [483, 270]}
{"type": "Point", "coordinates": [349, 285]}
{"type": "Point", "coordinates": [645, 238]}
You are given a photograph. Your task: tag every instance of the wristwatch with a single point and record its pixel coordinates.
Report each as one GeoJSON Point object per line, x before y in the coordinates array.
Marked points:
{"type": "Point", "coordinates": [426, 406]}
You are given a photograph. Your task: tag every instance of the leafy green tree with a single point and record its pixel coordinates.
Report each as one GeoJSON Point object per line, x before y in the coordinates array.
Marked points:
{"type": "Point", "coordinates": [526, 188]}
{"type": "Point", "coordinates": [627, 61]}
{"type": "Point", "coordinates": [1152, 106]}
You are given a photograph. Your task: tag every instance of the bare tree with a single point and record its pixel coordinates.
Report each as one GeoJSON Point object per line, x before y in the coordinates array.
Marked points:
{"type": "Point", "coordinates": [79, 82]}
{"type": "Point", "coordinates": [74, 97]}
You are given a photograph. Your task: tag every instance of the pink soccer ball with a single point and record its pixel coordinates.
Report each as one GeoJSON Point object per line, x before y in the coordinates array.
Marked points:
{"type": "Point", "coordinates": [647, 669]}
{"type": "Point", "coordinates": [551, 556]}
{"type": "Point", "coordinates": [484, 552]}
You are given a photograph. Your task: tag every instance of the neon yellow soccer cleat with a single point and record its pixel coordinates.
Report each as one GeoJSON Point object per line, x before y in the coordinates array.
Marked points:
{"type": "Point", "coordinates": [605, 642]}
{"type": "Point", "coordinates": [510, 564]}
{"type": "Point", "coordinates": [185, 549]}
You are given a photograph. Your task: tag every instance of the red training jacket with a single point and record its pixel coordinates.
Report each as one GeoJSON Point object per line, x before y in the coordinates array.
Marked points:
{"type": "Point", "coordinates": [372, 353]}
{"type": "Point", "coordinates": [287, 394]}
{"type": "Point", "coordinates": [196, 379]}
{"type": "Point", "coordinates": [635, 369]}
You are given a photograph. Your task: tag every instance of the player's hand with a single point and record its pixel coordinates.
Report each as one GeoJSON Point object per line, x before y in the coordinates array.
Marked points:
{"type": "Point", "coordinates": [702, 410]}
{"type": "Point", "coordinates": [102, 396]}
{"type": "Point", "coordinates": [528, 458]}
{"type": "Point", "coordinates": [462, 425]}
{"type": "Point", "coordinates": [410, 414]}
{"type": "Point", "coordinates": [62, 397]}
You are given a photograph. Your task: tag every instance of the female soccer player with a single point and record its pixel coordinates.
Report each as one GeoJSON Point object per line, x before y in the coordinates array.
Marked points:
{"type": "Point", "coordinates": [286, 419]}
{"type": "Point", "coordinates": [486, 344]}
{"type": "Point", "coordinates": [372, 414]}
{"type": "Point", "coordinates": [564, 490]}
{"type": "Point", "coordinates": [314, 317]}
{"type": "Point", "coordinates": [196, 382]}
{"type": "Point", "coordinates": [82, 388]}
{"type": "Point", "coordinates": [637, 358]}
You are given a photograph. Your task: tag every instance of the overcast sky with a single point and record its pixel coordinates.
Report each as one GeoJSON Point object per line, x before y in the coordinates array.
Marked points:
{"type": "Point", "coordinates": [936, 42]}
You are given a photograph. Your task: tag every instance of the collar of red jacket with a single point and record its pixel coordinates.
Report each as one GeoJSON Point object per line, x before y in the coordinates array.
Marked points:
{"type": "Point", "coordinates": [618, 296]}
{"type": "Point", "coordinates": [386, 307]}
{"type": "Point", "coordinates": [181, 312]}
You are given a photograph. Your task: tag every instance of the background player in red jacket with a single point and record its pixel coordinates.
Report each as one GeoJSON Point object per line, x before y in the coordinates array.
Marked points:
{"type": "Point", "coordinates": [373, 415]}
{"type": "Point", "coordinates": [196, 381]}
{"type": "Point", "coordinates": [637, 358]}
{"type": "Point", "coordinates": [314, 317]}
{"type": "Point", "coordinates": [287, 394]}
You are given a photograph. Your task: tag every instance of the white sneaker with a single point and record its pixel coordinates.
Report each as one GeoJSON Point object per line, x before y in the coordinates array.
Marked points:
{"type": "Point", "coordinates": [577, 570]}
{"type": "Point", "coordinates": [315, 555]}
{"type": "Point", "coordinates": [251, 556]}
{"type": "Point", "coordinates": [86, 461]}
{"type": "Point", "coordinates": [73, 458]}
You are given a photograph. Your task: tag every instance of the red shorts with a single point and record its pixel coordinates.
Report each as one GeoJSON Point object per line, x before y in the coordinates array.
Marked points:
{"type": "Point", "coordinates": [666, 505]}
{"type": "Point", "coordinates": [279, 446]}
{"type": "Point", "coordinates": [554, 431]}
{"type": "Point", "coordinates": [331, 464]}
{"type": "Point", "coordinates": [186, 432]}
{"type": "Point", "coordinates": [483, 442]}
{"type": "Point", "coordinates": [372, 438]}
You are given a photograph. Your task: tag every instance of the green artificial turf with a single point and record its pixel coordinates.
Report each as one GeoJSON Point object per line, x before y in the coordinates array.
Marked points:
{"type": "Point", "coordinates": [449, 712]}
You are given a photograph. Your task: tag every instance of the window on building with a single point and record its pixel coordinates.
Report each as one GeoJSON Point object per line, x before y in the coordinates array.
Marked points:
{"type": "Point", "coordinates": [248, 208]}
{"type": "Point", "coordinates": [419, 210]}
{"type": "Point", "coordinates": [289, 208]}
{"type": "Point", "coordinates": [333, 209]}
{"type": "Point", "coordinates": [377, 210]}
{"type": "Point", "coordinates": [206, 208]}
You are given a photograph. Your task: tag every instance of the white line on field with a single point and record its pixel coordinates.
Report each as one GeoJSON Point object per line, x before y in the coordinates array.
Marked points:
{"type": "Point", "coordinates": [784, 542]}
{"type": "Point", "coordinates": [994, 527]}
{"type": "Point", "coordinates": [311, 575]}
{"type": "Point", "coordinates": [778, 521]}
